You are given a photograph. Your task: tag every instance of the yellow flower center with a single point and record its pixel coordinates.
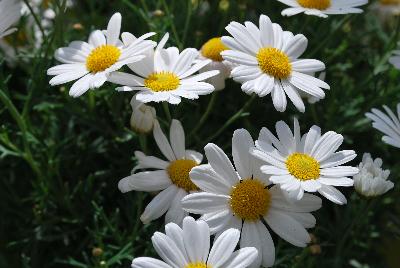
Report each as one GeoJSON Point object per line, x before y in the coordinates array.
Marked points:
{"type": "Point", "coordinates": [274, 62]}
{"type": "Point", "coordinates": [389, 2]}
{"type": "Point", "coordinates": [250, 199]}
{"type": "Point", "coordinates": [212, 49]}
{"type": "Point", "coordinates": [316, 4]}
{"type": "Point", "coordinates": [102, 57]}
{"type": "Point", "coordinates": [197, 265]}
{"type": "Point", "coordinates": [178, 172]}
{"type": "Point", "coordinates": [303, 166]}
{"type": "Point", "coordinates": [162, 81]}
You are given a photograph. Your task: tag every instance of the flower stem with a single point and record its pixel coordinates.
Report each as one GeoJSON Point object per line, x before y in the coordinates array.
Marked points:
{"type": "Point", "coordinates": [206, 114]}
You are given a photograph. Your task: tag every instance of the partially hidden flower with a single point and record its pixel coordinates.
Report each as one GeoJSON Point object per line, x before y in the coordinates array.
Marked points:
{"type": "Point", "coordinates": [189, 247]}
{"type": "Point", "coordinates": [10, 13]}
{"type": "Point", "coordinates": [322, 8]}
{"type": "Point", "coordinates": [212, 50]}
{"type": "Point", "coordinates": [372, 180]}
{"type": "Point", "coordinates": [143, 116]}
{"type": "Point", "coordinates": [170, 176]}
{"type": "Point", "coordinates": [388, 124]}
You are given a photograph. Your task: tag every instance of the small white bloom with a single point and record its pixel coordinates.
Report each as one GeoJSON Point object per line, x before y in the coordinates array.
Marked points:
{"type": "Point", "coordinates": [10, 13]}
{"type": "Point", "coordinates": [387, 124]}
{"type": "Point", "coordinates": [243, 198]}
{"type": "Point", "coordinates": [305, 163]}
{"type": "Point", "coordinates": [92, 62]}
{"type": "Point", "coordinates": [143, 116]}
{"type": "Point", "coordinates": [395, 59]}
{"type": "Point", "coordinates": [189, 247]}
{"type": "Point", "coordinates": [268, 61]}
{"type": "Point", "coordinates": [372, 180]}
{"type": "Point", "coordinates": [212, 50]}
{"type": "Point", "coordinates": [166, 75]}
{"type": "Point", "coordinates": [171, 177]}
{"type": "Point", "coordinates": [322, 8]}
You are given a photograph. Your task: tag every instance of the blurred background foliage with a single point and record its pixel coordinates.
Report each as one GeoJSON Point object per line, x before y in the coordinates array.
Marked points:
{"type": "Point", "coordinates": [61, 158]}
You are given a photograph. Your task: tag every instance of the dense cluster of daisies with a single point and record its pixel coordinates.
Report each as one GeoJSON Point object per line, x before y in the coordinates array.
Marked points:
{"type": "Point", "coordinates": [273, 183]}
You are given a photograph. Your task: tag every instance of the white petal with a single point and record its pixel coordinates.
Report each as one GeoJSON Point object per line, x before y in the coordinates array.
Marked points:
{"type": "Point", "coordinates": [145, 262]}
{"type": "Point", "coordinates": [177, 138]}
{"type": "Point", "coordinates": [223, 247]}
{"type": "Point", "coordinates": [148, 181]}
{"type": "Point", "coordinates": [241, 144]}
{"type": "Point", "coordinates": [159, 205]}
{"type": "Point", "coordinates": [287, 228]}
{"type": "Point", "coordinates": [162, 142]}
{"type": "Point", "coordinates": [221, 163]}
{"type": "Point", "coordinates": [200, 203]}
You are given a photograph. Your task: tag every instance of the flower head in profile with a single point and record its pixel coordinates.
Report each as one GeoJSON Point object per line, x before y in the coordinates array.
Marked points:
{"type": "Point", "coordinates": [388, 124]}
{"type": "Point", "coordinates": [395, 59]}
{"type": "Point", "coordinates": [307, 163]}
{"type": "Point", "coordinates": [91, 62]}
{"type": "Point", "coordinates": [322, 8]}
{"type": "Point", "coordinates": [143, 116]}
{"type": "Point", "coordinates": [10, 13]}
{"type": "Point", "coordinates": [242, 197]}
{"type": "Point", "coordinates": [166, 74]}
{"type": "Point", "coordinates": [212, 50]}
{"type": "Point", "coordinates": [170, 176]}
{"type": "Point", "coordinates": [189, 247]}
{"type": "Point", "coordinates": [372, 180]}
{"type": "Point", "coordinates": [267, 62]}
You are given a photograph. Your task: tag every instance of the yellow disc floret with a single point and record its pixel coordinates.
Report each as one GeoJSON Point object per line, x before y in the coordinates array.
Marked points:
{"type": "Point", "coordinates": [102, 57]}
{"type": "Point", "coordinates": [162, 81]}
{"type": "Point", "coordinates": [197, 265]}
{"type": "Point", "coordinates": [316, 4]}
{"type": "Point", "coordinates": [212, 49]}
{"type": "Point", "coordinates": [274, 62]}
{"type": "Point", "coordinates": [303, 166]}
{"type": "Point", "coordinates": [250, 199]}
{"type": "Point", "coordinates": [178, 172]}
{"type": "Point", "coordinates": [389, 2]}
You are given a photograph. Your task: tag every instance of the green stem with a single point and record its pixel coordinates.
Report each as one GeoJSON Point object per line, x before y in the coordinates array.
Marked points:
{"type": "Point", "coordinates": [167, 111]}
{"type": "Point", "coordinates": [173, 28]}
{"type": "Point", "coordinates": [143, 142]}
{"type": "Point", "coordinates": [187, 21]}
{"type": "Point", "coordinates": [206, 114]}
{"type": "Point", "coordinates": [232, 119]}
{"type": "Point", "coordinates": [22, 126]}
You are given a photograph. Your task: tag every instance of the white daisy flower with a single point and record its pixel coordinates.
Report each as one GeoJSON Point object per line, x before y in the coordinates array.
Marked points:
{"type": "Point", "coordinates": [10, 13]}
{"type": "Point", "coordinates": [143, 116]}
{"type": "Point", "coordinates": [240, 197]}
{"type": "Point", "coordinates": [189, 247]}
{"type": "Point", "coordinates": [322, 8]}
{"type": "Point", "coordinates": [395, 59]}
{"type": "Point", "coordinates": [309, 163]}
{"type": "Point", "coordinates": [92, 62]}
{"type": "Point", "coordinates": [171, 177]}
{"type": "Point", "coordinates": [166, 75]}
{"type": "Point", "coordinates": [372, 180]}
{"type": "Point", "coordinates": [387, 124]}
{"type": "Point", "coordinates": [268, 61]}
{"type": "Point", "coordinates": [212, 50]}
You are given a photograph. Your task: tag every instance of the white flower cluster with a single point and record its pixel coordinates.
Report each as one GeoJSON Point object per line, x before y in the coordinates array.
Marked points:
{"type": "Point", "coordinates": [272, 183]}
